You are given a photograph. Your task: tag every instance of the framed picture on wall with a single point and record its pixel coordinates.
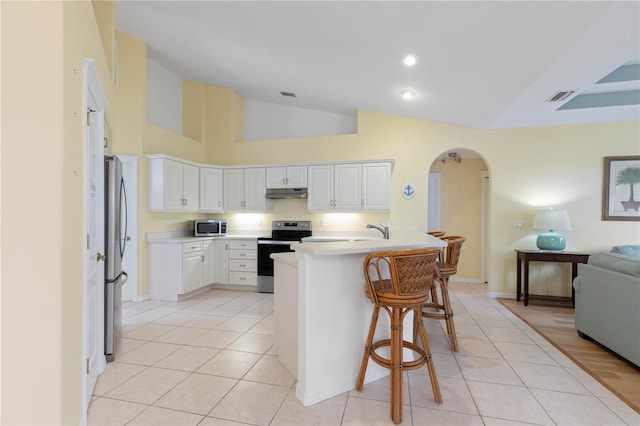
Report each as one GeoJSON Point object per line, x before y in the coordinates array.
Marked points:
{"type": "Point", "coordinates": [621, 188]}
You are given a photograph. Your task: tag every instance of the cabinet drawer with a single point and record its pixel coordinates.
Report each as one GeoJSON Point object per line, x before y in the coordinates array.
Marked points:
{"type": "Point", "coordinates": [242, 254]}
{"type": "Point", "coordinates": [242, 245]}
{"type": "Point", "coordinates": [247, 278]}
{"type": "Point", "coordinates": [191, 247]}
{"type": "Point", "coordinates": [246, 265]}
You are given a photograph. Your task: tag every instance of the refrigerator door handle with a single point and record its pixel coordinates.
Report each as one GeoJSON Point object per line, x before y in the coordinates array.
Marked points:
{"type": "Point", "coordinates": [124, 206]}
{"type": "Point", "coordinates": [122, 281]}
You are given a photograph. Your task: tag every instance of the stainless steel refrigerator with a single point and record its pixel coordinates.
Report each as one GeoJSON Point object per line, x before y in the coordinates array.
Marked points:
{"type": "Point", "coordinates": [115, 243]}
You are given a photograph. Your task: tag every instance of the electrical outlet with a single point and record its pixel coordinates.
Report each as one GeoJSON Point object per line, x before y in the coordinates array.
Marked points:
{"type": "Point", "coordinates": [321, 222]}
{"type": "Point", "coordinates": [378, 222]}
{"type": "Point", "coordinates": [173, 223]}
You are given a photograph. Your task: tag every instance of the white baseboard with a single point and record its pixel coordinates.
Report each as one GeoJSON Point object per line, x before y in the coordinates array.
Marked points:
{"type": "Point", "coordinates": [495, 295]}
{"type": "Point", "coordinates": [141, 298]}
{"type": "Point", "coordinates": [466, 280]}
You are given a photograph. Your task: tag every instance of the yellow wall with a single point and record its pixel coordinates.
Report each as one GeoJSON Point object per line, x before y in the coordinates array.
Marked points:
{"type": "Point", "coordinates": [43, 179]}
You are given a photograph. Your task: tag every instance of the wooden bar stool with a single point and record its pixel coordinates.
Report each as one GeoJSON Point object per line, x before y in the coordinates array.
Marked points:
{"type": "Point", "coordinates": [447, 266]}
{"type": "Point", "coordinates": [410, 277]}
{"type": "Point", "coordinates": [436, 234]}
{"type": "Point", "coordinates": [434, 293]}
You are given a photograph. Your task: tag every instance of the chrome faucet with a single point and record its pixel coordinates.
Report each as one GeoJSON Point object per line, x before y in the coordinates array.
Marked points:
{"type": "Point", "coordinates": [383, 229]}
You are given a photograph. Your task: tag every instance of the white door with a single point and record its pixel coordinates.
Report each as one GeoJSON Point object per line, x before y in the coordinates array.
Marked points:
{"type": "Point", "coordinates": [484, 232]}
{"type": "Point", "coordinates": [433, 202]}
{"type": "Point", "coordinates": [130, 259]}
{"type": "Point", "coordinates": [93, 300]}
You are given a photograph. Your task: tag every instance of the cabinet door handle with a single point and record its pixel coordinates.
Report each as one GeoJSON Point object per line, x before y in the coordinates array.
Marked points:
{"type": "Point", "coordinates": [100, 257]}
{"type": "Point", "coordinates": [202, 258]}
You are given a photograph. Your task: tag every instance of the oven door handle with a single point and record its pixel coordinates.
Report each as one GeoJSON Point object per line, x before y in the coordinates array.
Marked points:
{"type": "Point", "coordinates": [276, 242]}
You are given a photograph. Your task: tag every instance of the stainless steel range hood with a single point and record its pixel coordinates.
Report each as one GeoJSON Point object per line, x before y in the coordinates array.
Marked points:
{"type": "Point", "coordinates": [281, 193]}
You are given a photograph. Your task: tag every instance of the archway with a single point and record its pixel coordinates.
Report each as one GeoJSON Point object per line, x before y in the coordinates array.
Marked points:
{"type": "Point", "coordinates": [458, 203]}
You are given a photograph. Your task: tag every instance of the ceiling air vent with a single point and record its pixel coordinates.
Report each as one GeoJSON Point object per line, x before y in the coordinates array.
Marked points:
{"type": "Point", "coordinates": [561, 96]}
{"type": "Point", "coordinates": [290, 94]}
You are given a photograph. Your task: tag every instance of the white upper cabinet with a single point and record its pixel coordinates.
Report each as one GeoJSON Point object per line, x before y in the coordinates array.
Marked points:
{"type": "Point", "coordinates": [320, 193]}
{"type": "Point", "coordinates": [334, 187]}
{"type": "Point", "coordinates": [211, 189]}
{"type": "Point", "coordinates": [350, 186]}
{"type": "Point", "coordinates": [173, 185]}
{"type": "Point", "coordinates": [376, 186]}
{"type": "Point", "coordinates": [244, 190]}
{"type": "Point", "coordinates": [287, 177]}
{"type": "Point", "coordinates": [177, 185]}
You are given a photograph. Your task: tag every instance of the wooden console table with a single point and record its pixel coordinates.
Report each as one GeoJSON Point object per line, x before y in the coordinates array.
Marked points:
{"type": "Point", "coordinates": [546, 256]}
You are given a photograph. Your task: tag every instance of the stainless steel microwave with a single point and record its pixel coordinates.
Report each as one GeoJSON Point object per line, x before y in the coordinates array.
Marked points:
{"type": "Point", "coordinates": [210, 228]}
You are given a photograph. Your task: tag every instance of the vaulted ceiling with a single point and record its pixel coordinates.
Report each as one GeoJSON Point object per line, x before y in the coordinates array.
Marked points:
{"type": "Point", "coordinates": [480, 64]}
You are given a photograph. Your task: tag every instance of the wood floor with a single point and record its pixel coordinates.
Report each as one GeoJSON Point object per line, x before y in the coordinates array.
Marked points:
{"type": "Point", "coordinates": [556, 324]}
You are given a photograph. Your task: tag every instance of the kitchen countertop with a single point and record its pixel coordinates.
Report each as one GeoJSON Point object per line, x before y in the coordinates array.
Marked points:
{"type": "Point", "coordinates": [399, 240]}
{"type": "Point", "coordinates": [167, 237]}
{"type": "Point", "coordinates": [287, 257]}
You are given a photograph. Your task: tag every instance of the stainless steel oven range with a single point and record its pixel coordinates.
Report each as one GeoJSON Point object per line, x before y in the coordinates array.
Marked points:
{"type": "Point", "coordinates": [283, 233]}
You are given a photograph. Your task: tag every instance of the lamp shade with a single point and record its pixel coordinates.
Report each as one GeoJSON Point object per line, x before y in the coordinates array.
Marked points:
{"type": "Point", "coordinates": [551, 220]}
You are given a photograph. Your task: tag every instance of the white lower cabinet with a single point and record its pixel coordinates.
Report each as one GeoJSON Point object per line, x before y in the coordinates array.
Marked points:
{"type": "Point", "coordinates": [236, 262]}
{"type": "Point", "coordinates": [221, 260]}
{"type": "Point", "coordinates": [209, 264]}
{"type": "Point", "coordinates": [176, 268]}
{"type": "Point", "coordinates": [243, 255]}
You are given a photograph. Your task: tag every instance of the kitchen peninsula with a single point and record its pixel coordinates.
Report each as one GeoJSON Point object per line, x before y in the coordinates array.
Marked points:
{"type": "Point", "coordinates": [322, 315]}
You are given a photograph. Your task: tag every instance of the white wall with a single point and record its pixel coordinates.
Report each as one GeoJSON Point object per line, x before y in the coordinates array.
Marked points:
{"type": "Point", "coordinates": [265, 120]}
{"type": "Point", "coordinates": [164, 97]}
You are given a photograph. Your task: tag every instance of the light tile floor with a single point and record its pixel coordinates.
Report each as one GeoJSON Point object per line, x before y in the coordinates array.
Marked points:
{"type": "Point", "coordinates": [211, 360]}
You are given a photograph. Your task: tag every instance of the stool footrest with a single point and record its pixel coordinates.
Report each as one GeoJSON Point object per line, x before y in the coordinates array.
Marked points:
{"type": "Point", "coordinates": [406, 365]}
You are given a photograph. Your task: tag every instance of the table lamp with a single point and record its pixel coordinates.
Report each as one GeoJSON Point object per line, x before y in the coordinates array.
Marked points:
{"type": "Point", "coordinates": [551, 220]}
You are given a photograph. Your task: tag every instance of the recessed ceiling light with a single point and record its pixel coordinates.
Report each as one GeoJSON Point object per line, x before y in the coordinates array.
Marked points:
{"type": "Point", "coordinates": [409, 60]}
{"type": "Point", "coordinates": [408, 94]}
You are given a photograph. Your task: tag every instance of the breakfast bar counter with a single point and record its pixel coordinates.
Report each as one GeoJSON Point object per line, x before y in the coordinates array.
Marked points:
{"type": "Point", "coordinates": [322, 314]}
